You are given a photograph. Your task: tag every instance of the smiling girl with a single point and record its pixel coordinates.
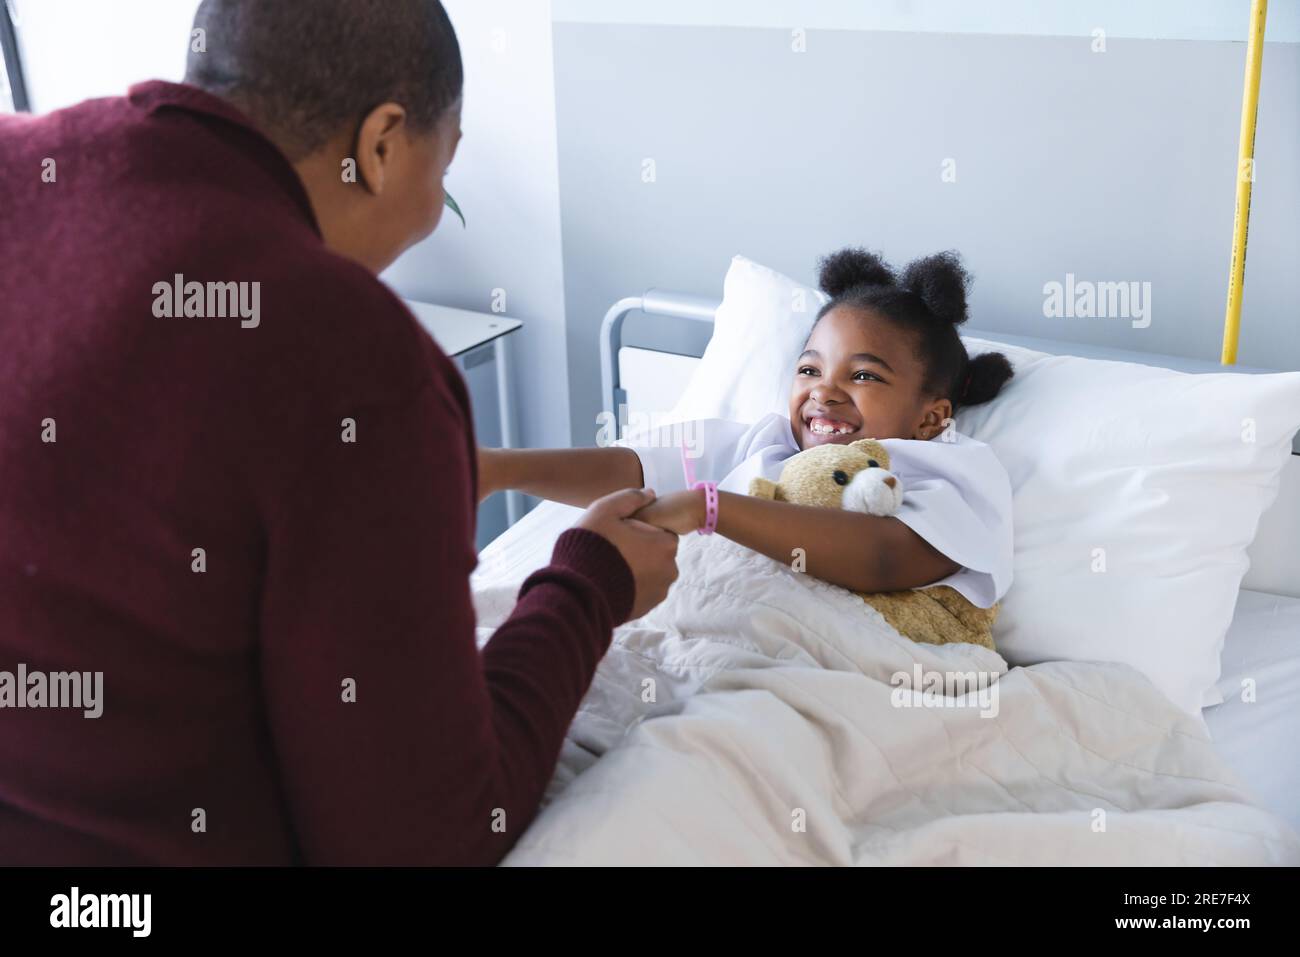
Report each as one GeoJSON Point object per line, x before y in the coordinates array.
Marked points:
{"type": "Point", "coordinates": [884, 360]}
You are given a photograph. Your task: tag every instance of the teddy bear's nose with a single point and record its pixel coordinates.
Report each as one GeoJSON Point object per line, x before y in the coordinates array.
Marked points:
{"type": "Point", "coordinates": [891, 481]}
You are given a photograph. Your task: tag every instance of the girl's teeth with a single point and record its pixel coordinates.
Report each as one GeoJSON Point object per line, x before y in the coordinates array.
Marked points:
{"type": "Point", "coordinates": [822, 428]}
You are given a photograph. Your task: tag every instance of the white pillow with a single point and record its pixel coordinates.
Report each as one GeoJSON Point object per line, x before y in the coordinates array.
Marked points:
{"type": "Point", "coordinates": [758, 332]}
{"type": "Point", "coordinates": [1159, 478]}
{"type": "Point", "coordinates": [1146, 463]}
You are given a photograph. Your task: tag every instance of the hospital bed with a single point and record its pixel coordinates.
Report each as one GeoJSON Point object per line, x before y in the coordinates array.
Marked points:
{"type": "Point", "coordinates": [1257, 740]}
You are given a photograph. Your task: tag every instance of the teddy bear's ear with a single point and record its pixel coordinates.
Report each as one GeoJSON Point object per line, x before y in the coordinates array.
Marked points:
{"type": "Point", "coordinates": [765, 488]}
{"type": "Point", "coordinates": [874, 449]}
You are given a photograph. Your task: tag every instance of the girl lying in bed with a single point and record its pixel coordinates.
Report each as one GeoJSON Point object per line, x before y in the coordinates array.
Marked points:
{"type": "Point", "coordinates": [884, 360]}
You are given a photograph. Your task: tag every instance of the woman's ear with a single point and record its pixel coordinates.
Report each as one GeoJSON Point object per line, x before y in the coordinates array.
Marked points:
{"type": "Point", "coordinates": [379, 139]}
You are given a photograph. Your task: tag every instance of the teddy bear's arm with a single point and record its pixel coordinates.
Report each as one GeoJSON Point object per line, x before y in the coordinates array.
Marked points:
{"type": "Point", "coordinates": [765, 488]}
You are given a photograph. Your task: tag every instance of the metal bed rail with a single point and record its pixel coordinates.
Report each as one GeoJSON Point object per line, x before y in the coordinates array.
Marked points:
{"type": "Point", "coordinates": [654, 302]}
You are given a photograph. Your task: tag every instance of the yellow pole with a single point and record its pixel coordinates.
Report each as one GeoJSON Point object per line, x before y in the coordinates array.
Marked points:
{"type": "Point", "coordinates": [1245, 176]}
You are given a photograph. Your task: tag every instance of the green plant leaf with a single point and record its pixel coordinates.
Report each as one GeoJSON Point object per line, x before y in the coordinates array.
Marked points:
{"type": "Point", "coordinates": [452, 205]}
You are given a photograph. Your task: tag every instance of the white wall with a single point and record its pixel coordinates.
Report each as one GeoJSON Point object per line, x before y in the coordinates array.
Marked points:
{"type": "Point", "coordinates": [506, 179]}
{"type": "Point", "coordinates": [1137, 19]}
{"type": "Point", "coordinates": [76, 49]}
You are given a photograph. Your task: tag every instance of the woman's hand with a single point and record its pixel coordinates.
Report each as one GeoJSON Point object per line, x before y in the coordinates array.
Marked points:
{"type": "Point", "coordinates": [650, 553]}
{"type": "Point", "coordinates": [677, 512]}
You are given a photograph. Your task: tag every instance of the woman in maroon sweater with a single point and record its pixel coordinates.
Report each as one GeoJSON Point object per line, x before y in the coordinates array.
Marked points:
{"type": "Point", "coordinates": [237, 480]}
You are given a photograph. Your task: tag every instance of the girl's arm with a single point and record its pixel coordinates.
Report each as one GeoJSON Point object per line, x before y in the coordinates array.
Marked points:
{"type": "Point", "coordinates": [572, 476]}
{"type": "Point", "coordinates": [866, 553]}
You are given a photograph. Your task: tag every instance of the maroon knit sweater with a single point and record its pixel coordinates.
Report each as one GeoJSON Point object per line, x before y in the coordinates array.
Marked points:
{"type": "Point", "coordinates": [308, 687]}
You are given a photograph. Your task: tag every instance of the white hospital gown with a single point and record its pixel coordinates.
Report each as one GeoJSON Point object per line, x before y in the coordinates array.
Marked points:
{"type": "Point", "coordinates": [956, 494]}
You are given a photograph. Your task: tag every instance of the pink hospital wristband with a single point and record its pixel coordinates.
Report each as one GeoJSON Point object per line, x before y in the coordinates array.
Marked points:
{"type": "Point", "coordinates": [710, 507]}
{"type": "Point", "coordinates": [710, 494]}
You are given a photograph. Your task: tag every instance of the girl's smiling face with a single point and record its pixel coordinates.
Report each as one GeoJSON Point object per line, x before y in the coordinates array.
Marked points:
{"type": "Point", "coordinates": [859, 378]}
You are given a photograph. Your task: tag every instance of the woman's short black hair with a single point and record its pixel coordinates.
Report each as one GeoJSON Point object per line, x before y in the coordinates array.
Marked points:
{"type": "Point", "coordinates": [928, 300]}
{"type": "Point", "coordinates": [304, 70]}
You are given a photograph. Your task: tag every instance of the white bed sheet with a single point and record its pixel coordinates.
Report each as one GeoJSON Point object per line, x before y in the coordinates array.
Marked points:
{"type": "Point", "coordinates": [523, 547]}
{"type": "Point", "coordinates": [1257, 739]}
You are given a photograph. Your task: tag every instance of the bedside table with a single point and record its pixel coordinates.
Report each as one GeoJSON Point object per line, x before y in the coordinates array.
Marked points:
{"type": "Point", "coordinates": [464, 334]}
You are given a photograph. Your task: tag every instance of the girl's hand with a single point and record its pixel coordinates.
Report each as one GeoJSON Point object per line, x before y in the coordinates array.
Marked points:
{"type": "Point", "coordinates": [677, 512]}
{"type": "Point", "coordinates": [572, 476]}
{"type": "Point", "coordinates": [489, 479]}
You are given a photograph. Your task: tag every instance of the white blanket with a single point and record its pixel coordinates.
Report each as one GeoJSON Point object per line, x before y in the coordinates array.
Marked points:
{"type": "Point", "coordinates": [758, 717]}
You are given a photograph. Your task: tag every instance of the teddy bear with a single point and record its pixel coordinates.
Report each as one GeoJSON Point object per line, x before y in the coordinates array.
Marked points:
{"type": "Point", "coordinates": [856, 476]}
